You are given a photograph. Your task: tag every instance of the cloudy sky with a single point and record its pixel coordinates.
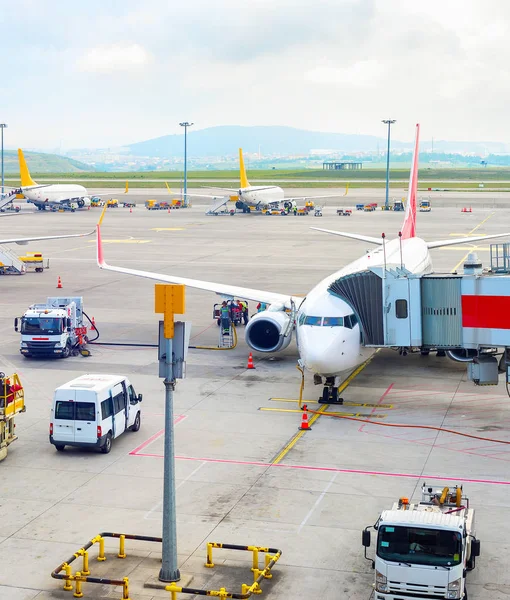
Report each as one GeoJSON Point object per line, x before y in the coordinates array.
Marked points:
{"type": "Point", "coordinates": [103, 73]}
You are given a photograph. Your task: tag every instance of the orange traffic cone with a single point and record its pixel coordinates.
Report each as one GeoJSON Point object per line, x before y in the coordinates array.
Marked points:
{"type": "Point", "coordinates": [59, 283]}
{"type": "Point", "coordinates": [130, 210]}
{"type": "Point", "coordinates": [168, 210]}
{"type": "Point", "coordinates": [304, 420]}
{"type": "Point", "coordinates": [250, 362]}
{"type": "Point", "coordinates": [93, 325]}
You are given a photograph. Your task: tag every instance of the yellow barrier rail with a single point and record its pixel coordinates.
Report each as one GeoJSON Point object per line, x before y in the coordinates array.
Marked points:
{"type": "Point", "coordinates": [12, 396]}
{"type": "Point", "coordinates": [271, 557]}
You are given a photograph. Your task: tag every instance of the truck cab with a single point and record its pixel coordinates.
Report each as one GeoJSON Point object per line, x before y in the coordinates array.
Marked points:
{"type": "Point", "coordinates": [423, 550]}
{"type": "Point", "coordinates": [425, 206]}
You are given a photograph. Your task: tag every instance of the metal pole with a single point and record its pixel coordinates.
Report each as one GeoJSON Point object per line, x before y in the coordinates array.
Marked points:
{"type": "Point", "coordinates": [185, 164]}
{"type": "Point", "coordinates": [169, 571]}
{"type": "Point", "coordinates": [2, 127]}
{"type": "Point", "coordinates": [389, 122]}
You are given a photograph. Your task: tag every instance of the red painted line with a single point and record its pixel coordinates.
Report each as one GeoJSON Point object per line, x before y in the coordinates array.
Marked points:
{"type": "Point", "coordinates": [153, 438]}
{"type": "Point", "coordinates": [378, 403]}
{"type": "Point", "coordinates": [333, 469]}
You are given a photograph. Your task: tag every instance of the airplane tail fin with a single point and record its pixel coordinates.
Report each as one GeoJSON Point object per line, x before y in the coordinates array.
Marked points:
{"type": "Point", "coordinates": [26, 180]}
{"type": "Point", "coordinates": [127, 187]}
{"type": "Point", "coordinates": [242, 171]}
{"type": "Point", "coordinates": [409, 226]}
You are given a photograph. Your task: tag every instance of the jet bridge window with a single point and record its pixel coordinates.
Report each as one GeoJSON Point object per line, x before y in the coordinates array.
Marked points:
{"type": "Point", "coordinates": [401, 309]}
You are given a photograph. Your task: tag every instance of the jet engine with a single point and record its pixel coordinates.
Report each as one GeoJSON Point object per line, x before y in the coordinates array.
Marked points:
{"type": "Point", "coordinates": [269, 331]}
{"type": "Point", "coordinates": [84, 202]}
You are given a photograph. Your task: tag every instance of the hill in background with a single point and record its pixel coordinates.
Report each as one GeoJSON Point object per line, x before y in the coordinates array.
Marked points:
{"type": "Point", "coordinates": [43, 163]}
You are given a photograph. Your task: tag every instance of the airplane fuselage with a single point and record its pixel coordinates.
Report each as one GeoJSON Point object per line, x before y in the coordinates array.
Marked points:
{"type": "Point", "coordinates": [328, 334]}
{"type": "Point", "coordinates": [261, 195]}
{"type": "Point", "coordinates": [57, 194]}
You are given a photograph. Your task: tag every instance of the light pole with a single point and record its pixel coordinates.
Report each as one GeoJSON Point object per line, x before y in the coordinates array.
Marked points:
{"type": "Point", "coordinates": [2, 127]}
{"type": "Point", "coordinates": [388, 122]}
{"type": "Point", "coordinates": [185, 124]}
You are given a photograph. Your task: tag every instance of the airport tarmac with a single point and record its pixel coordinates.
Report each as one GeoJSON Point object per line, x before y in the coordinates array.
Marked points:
{"type": "Point", "coordinates": [243, 477]}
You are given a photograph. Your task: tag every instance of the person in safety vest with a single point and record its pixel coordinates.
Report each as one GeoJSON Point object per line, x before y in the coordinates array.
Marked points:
{"type": "Point", "coordinates": [225, 317]}
{"type": "Point", "coordinates": [261, 306]}
{"type": "Point", "coordinates": [244, 309]}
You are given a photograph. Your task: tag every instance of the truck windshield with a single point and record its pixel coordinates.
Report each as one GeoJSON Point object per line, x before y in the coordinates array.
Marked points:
{"type": "Point", "coordinates": [419, 546]}
{"type": "Point", "coordinates": [39, 325]}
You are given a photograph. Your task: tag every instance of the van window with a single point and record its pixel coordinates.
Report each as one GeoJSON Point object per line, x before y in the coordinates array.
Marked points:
{"type": "Point", "coordinates": [118, 403]}
{"type": "Point", "coordinates": [64, 410]}
{"type": "Point", "coordinates": [106, 408]}
{"type": "Point", "coordinates": [133, 399]}
{"type": "Point", "coordinates": [85, 411]}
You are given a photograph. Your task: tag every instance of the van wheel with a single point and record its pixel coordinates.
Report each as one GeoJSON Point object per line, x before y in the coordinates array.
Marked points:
{"type": "Point", "coordinates": [107, 446]}
{"type": "Point", "coordinates": [60, 447]}
{"type": "Point", "coordinates": [136, 424]}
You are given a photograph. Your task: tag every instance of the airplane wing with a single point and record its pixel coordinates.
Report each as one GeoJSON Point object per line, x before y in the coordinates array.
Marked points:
{"type": "Point", "coordinates": [222, 289]}
{"type": "Point", "coordinates": [22, 241]}
{"type": "Point", "coordinates": [312, 197]}
{"type": "Point", "coordinates": [194, 195]}
{"type": "Point", "coordinates": [353, 236]}
{"type": "Point", "coordinates": [465, 240]}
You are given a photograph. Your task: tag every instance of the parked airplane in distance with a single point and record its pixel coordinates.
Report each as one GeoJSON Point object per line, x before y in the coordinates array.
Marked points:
{"type": "Point", "coordinates": [52, 195]}
{"type": "Point", "coordinates": [328, 331]}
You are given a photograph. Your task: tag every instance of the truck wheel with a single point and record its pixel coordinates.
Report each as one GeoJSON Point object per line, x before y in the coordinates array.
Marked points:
{"type": "Point", "coordinates": [60, 447]}
{"type": "Point", "coordinates": [136, 424]}
{"type": "Point", "coordinates": [67, 351]}
{"type": "Point", "coordinates": [107, 446]}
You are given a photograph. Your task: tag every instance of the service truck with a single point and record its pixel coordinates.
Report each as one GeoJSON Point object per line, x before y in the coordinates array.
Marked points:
{"type": "Point", "coordinates": [425, 206]}
{"type": "Point", "coordinates": [52, 329]}
{"type": "Point", "coordinates": [424, 549]}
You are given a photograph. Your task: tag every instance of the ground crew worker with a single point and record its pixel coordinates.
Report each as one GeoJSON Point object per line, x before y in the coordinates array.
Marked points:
{"type": "Point", "coordinates": [244, 310]}
{"type": "Point", "coordinates": [225, 318]}
{"type": "Point", "coordinates": [261, 306]}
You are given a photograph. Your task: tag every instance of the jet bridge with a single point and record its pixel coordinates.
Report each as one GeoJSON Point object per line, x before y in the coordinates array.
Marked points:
{"type": "Point", "coordinates": [467, 315]}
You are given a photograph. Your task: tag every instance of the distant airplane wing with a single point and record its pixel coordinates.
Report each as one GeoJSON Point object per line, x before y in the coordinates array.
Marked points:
{"type": "Point", "coordinates": [465, 240]}
{"type": "Point", "coordinates": [218, 288]}
{"type": "Point", "coordinates": [312, 197]}
{"type": "Point", "coordinates": [191, 194]}
{"type": "Point", "coordinates": [353, 236]}
{"type": "Point", "coordinates": [22, 241]}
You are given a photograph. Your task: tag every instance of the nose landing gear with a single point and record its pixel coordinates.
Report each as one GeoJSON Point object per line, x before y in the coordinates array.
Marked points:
{"type": "Point", "coordinates": [330, 392]}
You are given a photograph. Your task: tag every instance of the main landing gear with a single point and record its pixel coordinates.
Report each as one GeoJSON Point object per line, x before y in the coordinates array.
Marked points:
{"type": "Point", "coordinates": [330, 391]}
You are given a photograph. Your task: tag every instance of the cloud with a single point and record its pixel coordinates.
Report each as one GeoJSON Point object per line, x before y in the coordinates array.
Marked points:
{"type": "Point", "coordinates": [114, 58]}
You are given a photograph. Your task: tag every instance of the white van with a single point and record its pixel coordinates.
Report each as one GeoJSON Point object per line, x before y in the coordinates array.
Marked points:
{"type": "Point", "coordinates": [93, 410]}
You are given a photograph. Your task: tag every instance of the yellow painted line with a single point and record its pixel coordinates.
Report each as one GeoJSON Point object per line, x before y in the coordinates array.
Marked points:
{"type": "Point", "coordinates": [122, 241]}
{"type": "Point", "coordinates": [338, 414]}
{"type": "Point", "coordinates": [361, 404]}
{"type": "Point", "coordinates": [168, 229]}
{"type": "Point", "coordinates": [471, 249]}
{"type": "Point", "coordinates": [466, 234]}
{"type": "Point", "coordinates": [288, 447]}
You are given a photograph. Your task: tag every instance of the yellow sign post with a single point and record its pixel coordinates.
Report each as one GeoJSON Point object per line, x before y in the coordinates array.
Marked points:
{"type": "Point", "coordinates": [169, 300]}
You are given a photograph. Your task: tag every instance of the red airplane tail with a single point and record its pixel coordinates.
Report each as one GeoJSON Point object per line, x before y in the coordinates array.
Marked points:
{"type": "Point", "coordinates": [409, 226]}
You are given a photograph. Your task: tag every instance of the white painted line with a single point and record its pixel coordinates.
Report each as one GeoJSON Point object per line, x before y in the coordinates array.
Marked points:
{"type": "Point", "coordinates": [317, 502]}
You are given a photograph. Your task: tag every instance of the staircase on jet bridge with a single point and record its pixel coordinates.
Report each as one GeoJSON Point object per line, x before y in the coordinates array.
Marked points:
{"type": "Point", "coordinates": [217, 204]}
{"type": "Point", "coordinates": [10, 264]}
{"type": "Point", "coordinates": [6, 199]}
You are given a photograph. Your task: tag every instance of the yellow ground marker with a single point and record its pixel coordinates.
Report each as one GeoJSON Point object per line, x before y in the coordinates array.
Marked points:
{"type": "Point", "coordinates": [168, 229]}
{"type": "Point", "coordinates": [122, 241]}
{"type": "Point", "coordinates": [471, 249]}
{"type": "Point", "coordinates": [338, 414]}
{"type": "Point", "coordinates": [288, 447]}
{"type": "Point", "coordinates": [360, 404]}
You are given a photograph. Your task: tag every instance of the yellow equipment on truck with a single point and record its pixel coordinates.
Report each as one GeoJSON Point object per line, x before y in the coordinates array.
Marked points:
{"type": "Point", "coordinates": [12, 402]}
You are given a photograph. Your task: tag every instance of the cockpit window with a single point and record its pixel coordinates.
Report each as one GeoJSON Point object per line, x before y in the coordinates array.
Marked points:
{"type": "Point", "coordinates": [350, 321]}
{"type": "Point", "coordinates": [333, 322]}
{"type": "Point", "coordinates": [313, 321]}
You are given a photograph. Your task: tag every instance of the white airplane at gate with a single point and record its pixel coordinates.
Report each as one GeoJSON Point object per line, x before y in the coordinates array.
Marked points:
{"type": "Point", "coordinates": [328, 334]}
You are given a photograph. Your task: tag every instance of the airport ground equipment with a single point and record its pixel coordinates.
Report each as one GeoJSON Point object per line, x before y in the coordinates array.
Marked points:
{"type": "Point", "coordinates": [112, 203]}
{"type": "Point", "coordinates": [317, 211]}
{"type": "Point", "coordinates": [128, 205]}
{"type": "Point", "coordinates": [55, 328]}
{"type": "Point", "coordinates": [6, 201]}
{"type": "Point", "coordinates": [220, 206]}
{"type": "Point", "coordinates": [163, 205]}
{"type": "Point", "coordinates": [360, 206]}
{"type": "Point", "coordinates": [424, 549]}
{"type": "Point", "coordinates": [344, 212]}
{"type": "Point", "coordinates": [12, 264]}
{"type": "Point", "coordinates": [369, 207]}
{"type": "Point", "coordinates": [12, 402]}
{"type": "Point", "coordinates": [465, 315]}
{"type": "Point", "coordinates": [425, 206]}
{"type": "Point", "coordinates": [398, 206]}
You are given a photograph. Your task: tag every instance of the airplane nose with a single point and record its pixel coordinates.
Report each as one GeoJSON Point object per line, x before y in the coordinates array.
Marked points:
{"type": "Point", "coordinates": [327, 352]}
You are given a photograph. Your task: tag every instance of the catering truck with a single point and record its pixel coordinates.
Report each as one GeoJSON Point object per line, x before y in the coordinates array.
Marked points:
{"type": "Point", "coordinates": [54, 328]}
{"type": "Point", "coordinates": [424, 549]}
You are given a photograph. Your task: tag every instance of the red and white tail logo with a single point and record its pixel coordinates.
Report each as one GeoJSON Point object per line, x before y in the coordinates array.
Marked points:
{"type": "Point", "coordinates": [409, 226]}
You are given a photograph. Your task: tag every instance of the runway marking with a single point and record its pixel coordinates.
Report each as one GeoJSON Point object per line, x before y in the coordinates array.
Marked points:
{"type": "Point", "coordinates": [471, 249]}
{"type": "Point", "coordinates": [423, 476]}
{"type": "Point", "coordinates": [128, 241]}
{"type": "Point", "coordinates": [168, 229]}
{"type": "Point", "coordinates": [288, 447]}
{"type": "Point", "coordinates": [154, 437]}
{"type": "Point", "coordinates": [317, 502]}
{"type": "Point", "coordinates": [361, 404]}
{"type": "Point", "coordinates": [339, 414]}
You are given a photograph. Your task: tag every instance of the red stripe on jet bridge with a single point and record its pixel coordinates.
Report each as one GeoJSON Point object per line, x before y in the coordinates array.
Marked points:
{"type": "Point", "coordinates": [487, 312]}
